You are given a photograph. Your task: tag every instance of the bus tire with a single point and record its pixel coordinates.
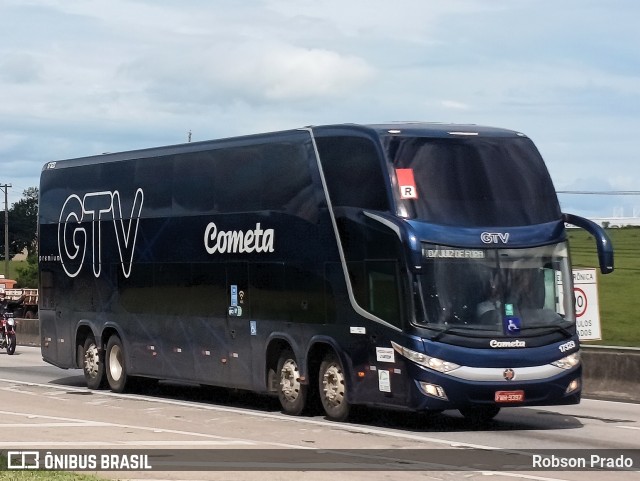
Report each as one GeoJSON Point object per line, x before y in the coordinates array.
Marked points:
{"type": "Point", "coordinates": [292, 393]}
{"type": "Point", "coordinates": [480, 414]}
{"type": "Point", "coordinates": [115, 365]}
{"type": "Point", "coordinates": [92, 362]}
{"type": "Point", "coordinates": [333, 388]}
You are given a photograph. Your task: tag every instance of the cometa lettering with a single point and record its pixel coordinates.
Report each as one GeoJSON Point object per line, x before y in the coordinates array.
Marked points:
{"type": "Point", "coordinates": [516, 343]}
{"type": "Point", "coordinates": [237, 241]}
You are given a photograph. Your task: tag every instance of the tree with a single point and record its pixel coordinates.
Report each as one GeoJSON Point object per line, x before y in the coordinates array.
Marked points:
{"type": "Point", "coordinates": [23, 224]}
{"type": "Point", "coordinates": [28, 273]}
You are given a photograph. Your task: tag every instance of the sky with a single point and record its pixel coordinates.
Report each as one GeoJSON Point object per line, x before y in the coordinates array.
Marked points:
{"type": "Point", "coordinates": [83, 77]}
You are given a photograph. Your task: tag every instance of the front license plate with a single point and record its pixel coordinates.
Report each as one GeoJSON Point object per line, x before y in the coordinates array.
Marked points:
{"type": "Point", "coordinates": [509, 396]}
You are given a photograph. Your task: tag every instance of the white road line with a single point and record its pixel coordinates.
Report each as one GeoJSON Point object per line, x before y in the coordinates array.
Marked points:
{"type": "Point", "coordinates": [121, 443]}
{"type": "Point", "coordinates": [260, 414]}
{"type": "Point", "coordinates": [628, 427]}
{"type": "Point", "coordinates": [280, 417]}
{"type": "Point", "coordinates": [83, 423]}
{"type": "Point", "coordinates": [517, 475]}
{"type": "Point", "coordinates": [79, 424]}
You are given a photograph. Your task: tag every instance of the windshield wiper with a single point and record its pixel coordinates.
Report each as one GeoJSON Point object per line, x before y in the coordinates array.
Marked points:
{"type": "Point", "coordinates": [481, 332]}
{"type": "Point", "coordinates": [554, 327]}
{"type": "Point", "coordinates": [464, 330]}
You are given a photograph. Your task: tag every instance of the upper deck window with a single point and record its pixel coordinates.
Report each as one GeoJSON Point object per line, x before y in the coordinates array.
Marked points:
{"type": "Point", "coordinates": [476, 181]}
{"type": "Point", "coordinates": [353, 172]}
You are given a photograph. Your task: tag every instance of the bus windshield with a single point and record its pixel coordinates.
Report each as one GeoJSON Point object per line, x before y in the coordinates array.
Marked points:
{"type": "Point", "coordinates": [496, 291]}
{"type": "Point", "coordinates": [475, 181]}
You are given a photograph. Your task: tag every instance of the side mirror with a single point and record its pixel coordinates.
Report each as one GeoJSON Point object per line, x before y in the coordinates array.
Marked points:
{"type": "Point", "coordinates": [603, 242]}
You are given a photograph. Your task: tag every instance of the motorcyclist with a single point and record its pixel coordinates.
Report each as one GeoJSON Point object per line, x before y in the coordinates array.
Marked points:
{"type": "Point", "coordinates": [7, 337]}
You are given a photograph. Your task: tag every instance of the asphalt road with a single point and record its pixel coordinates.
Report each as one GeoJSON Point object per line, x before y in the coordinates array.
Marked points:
{"type": "Point", "coordinates": [46, 408]}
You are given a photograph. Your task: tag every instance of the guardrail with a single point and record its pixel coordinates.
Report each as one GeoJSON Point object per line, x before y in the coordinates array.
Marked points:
{"type": "Point", "coordinates": [609, 372]}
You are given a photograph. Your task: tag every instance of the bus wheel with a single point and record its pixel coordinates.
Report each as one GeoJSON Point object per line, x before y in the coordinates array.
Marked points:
{"type": "Point", "coordinates": [92, 362]}
{"type": "Point", "coordinates": [116, 371]}
{"type": "Point", "coordinates": [333, 388]}
{"type": "Point", "coordinates": [480, 414]}
{"type": "Point", "coordinates": [291, 392]}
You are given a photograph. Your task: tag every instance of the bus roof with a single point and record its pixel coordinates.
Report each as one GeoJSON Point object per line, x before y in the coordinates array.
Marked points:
{"type": "Point", "coordinates": [426, 129]}
{"type": "Point", "coordinates": [418, 129]}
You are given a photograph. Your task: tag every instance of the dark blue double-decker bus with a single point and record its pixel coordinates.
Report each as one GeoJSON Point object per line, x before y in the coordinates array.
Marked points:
{"type": "Point", "coordinates": [409, 266]}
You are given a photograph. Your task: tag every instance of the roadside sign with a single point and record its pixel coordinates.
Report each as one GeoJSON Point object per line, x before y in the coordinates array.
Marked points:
{"type": "Point", "coordinates": [585, 288]}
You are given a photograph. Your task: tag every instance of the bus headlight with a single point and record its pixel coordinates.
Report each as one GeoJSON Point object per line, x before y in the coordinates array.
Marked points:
{"type": "Point", "coordinates": [424, 360]}
{"type": "Point", "coordinates": [433, 390]}
{"type": "Point", "coordinates": [573, 386]}
{"type": "Point", "coordinates": [572, 360]}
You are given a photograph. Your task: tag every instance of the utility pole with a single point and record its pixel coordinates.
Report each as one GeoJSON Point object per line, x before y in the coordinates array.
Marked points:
{"type": "Point", "coordinates": [5, 188]}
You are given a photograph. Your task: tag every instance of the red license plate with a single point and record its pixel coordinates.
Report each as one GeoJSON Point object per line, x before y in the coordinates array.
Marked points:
{"type": "Point", "coordinates": [509, 396]}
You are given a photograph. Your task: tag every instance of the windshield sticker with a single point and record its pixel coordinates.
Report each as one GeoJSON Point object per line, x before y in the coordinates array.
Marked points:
{"type": "Point", "coordinates": [384, 381]}
{"type": "Point", "coordinates": [385, 354]}
{"type": "Point", "coordinates": [508, 309]}
{"type": "Point", "coordinates": [511, 326]}
{"type": "Point", "coordinates": [407, 184]}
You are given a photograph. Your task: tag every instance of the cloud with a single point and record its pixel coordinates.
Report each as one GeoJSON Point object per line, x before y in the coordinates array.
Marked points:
{"type": "Point", "coordinates": [248, 73]}
{"type": "Point", "coordinates": [291, 73]}
{"type": "Point", "coordinates": [82, 77]}
{"type": "Point", "coordinates": [455, 105]}
{"type": "Point", "coordinates": [20, 68]}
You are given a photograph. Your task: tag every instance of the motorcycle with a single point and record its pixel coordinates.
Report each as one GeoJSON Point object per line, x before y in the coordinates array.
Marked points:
{"type": "Point", "coordinates": [7, 331]}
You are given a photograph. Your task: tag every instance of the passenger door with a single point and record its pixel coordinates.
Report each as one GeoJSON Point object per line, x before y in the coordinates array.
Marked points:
{"type": "Point", "coordinates": [239, 327]}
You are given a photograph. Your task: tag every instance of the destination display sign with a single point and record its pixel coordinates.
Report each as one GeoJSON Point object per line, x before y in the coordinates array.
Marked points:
{"type": "Point", "coordinates": [430, 253]}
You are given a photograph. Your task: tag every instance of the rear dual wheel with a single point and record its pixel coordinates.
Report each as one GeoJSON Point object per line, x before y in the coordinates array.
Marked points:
{"type": "Point", "coordinates": [92, 361]}
{"type": "Point", "coordinates": [333, 388]}
{"type": "Point", "coordinates": [115, 365]}
{"type": "Point", "coordinates": [293, 393]}
{"type": "Point", "coordinates": [102, 368]}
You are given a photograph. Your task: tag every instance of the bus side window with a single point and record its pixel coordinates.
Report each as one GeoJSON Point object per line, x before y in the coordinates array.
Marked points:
{"type": "Point", "coordinates": [192, 172]}
{"type": "Point", "coordinates": [287, 184]}
{"type": "Point", "coordinates": [383, 292]}
{"type": "Point", "coordinates": [47, 300]}
{"type": "Point", "coordinates": [263, 177]}
{"type": "Point", "coordinates": [353, 172]}
{"type": "Point", "coordinates": [238, 179]}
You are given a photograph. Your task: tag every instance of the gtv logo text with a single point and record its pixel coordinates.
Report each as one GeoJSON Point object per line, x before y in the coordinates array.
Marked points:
{"type": "Point", "coordinates": [76, 237]}
{"type": "Point", "coordinates": [494, 237]}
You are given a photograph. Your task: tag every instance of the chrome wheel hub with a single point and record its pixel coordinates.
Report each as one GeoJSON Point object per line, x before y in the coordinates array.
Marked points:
{"type": "Point", "coordinates": [333, 385]}
{"type": "Point", "coordinates": [290, 380]}
{"type": "Point", "coordinates": [91, 361]}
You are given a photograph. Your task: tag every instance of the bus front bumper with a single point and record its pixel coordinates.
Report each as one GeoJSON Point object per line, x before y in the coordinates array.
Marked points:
{"type": "Point", "coordinates": [439, 391]}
